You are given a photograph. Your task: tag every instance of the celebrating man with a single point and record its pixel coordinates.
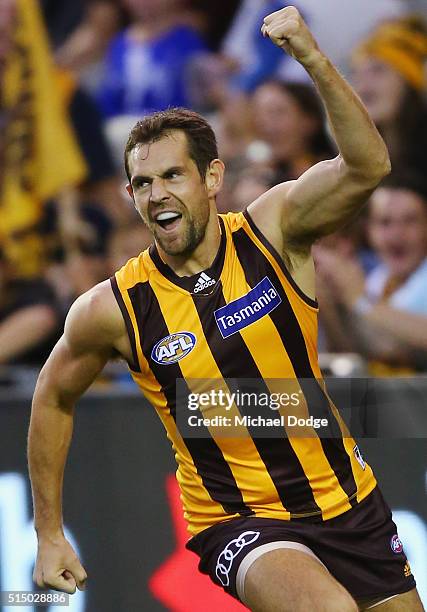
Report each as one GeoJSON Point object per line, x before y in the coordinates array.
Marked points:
{"type": "Point", "coordinates": [285, 523]}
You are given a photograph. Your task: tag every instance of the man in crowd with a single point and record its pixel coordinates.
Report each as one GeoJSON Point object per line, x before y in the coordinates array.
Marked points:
{"type": "Point", "coordinates": [385, 314]}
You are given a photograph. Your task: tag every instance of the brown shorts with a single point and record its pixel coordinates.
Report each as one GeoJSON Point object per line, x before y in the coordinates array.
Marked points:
{"type": "Point", "coordinates": [360, 548]}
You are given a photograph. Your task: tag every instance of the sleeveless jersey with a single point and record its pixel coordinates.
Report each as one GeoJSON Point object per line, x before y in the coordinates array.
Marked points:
{"type": "Point", "coordinates": [243, 318]}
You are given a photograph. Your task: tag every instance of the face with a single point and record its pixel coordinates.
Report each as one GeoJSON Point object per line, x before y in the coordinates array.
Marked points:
{"type": "Point", "coordinates": [380, 87]}
{"type": "Point", "coordinates": [281, 122]}
{"type": "Point", "coordinates": [170, 195]}
{"type": "Point", "coordinates": [398, 229]}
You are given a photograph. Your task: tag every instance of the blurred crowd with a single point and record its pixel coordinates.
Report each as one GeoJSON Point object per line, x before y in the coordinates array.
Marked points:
{"type": "Point", "coordinates": [75, 75]}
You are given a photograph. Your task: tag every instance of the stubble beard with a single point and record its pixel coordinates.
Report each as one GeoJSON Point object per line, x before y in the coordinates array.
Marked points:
{"type": "Point", "coordinates": [192, 236]}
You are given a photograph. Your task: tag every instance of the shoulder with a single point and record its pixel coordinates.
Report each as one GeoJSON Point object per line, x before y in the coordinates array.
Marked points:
{"type": "Point", "coordinates": [412, 295]}
{"type": "Point", "coordinates": [94, 320]}
{"type": "Point", "coordinates": [267, 213]}
{"type": "Point", "coordinates": [420, 275]}
{"type": "Point", "coordinates": [135, 270]}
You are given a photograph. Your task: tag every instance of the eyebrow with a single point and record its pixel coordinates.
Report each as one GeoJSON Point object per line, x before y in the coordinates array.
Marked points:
{"type": "Point", "coordinates": [139, 178]}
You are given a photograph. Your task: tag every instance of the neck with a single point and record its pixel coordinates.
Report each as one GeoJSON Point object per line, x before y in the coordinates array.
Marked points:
{"type": "Point", "coordinates": [203, 255]}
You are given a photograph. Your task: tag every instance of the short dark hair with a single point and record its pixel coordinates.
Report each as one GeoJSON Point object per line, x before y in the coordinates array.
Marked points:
{"type": "Point", "coordinates": [202, 145]}
{"type": "Point", "coordinates": [407, 180]}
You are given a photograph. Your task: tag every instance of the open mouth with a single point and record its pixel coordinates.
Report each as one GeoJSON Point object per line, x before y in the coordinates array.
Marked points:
{"type": "Point", "coordinates": [168, 220]}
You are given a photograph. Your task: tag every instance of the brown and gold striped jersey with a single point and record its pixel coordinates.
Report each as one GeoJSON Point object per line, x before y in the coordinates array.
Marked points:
{"type": "Point", "coordinates": [243, 318]}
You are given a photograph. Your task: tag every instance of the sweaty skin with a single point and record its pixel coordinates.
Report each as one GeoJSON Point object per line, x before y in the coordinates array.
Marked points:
{"type": "Point", "coordinates": [164, 179]}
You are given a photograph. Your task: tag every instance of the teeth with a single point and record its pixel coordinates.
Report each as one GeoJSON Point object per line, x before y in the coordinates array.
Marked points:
{"type": "Point", "coordinates": [167, 215]}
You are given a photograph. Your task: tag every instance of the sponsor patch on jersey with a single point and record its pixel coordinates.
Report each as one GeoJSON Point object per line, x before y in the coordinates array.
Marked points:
{"type": "Point", "coordinates": [173, 348]}
{"type": "Point", "coordinates": [396, 544]}
{"type": "Point", "coordinates": [248, 309]}
{"type": "Point", "coordinates": [203, 282]}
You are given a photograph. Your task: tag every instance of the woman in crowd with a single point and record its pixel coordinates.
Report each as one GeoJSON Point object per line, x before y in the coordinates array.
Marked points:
{"type": "Point", "coordinates": [389, 75]}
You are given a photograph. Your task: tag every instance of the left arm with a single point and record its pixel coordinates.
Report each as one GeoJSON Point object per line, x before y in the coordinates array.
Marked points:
{"type": "Point", "coordinates": [379, 330]}
{"type": "Point", "coordinates": [330, 193]}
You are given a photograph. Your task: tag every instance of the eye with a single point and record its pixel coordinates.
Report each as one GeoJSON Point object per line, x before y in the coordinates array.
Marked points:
{"type": "Point", "coordinates": [140, 184]}
{"type": "Point", "coordinates": [173, 174]}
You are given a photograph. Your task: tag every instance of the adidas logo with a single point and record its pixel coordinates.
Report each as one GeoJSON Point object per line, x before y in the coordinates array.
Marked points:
{"type": "Point", "coordinates": [203, 282]}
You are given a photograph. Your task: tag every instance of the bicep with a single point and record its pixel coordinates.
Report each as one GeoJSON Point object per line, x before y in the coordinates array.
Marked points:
{"type": "Point", "coordinates": [82, 351]}
{"type": "Point", "coordinates": [68, 372]}
{"type": "Point", "coordinates": [321, 201]}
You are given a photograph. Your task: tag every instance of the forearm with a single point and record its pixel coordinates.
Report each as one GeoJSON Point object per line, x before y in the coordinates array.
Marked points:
{"type": "Point", "coordinates": [372, 342]}
{"type": "Point", "coordinates": [49, 439]}
{"type": "Point", "coordinates": [87, 43]}
{"type": "Point", "coordinates": [359, 142]}
{"type": "Point", "coordinates": [403, 327]}
{"type": "Point", "coordinates": [24, 329]}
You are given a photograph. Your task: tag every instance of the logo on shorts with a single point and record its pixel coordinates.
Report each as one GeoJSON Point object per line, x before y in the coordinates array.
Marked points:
{"type": "Point", "coordinates": [396, 544]}
{"type": "Point", "coordinates": [248, 309]}
{"type": "Point", "coordinates": [173, 348]}
{"type": "Point", "coordinates": [407, 570]}
{"type": "Point", "coordinates": [230, 552]}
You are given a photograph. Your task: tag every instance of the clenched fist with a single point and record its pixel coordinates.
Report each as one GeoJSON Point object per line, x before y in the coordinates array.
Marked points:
{"type": "Point", "coordinates": [57, 566]}
{"type": "Point", "coordinates": [287, 29]}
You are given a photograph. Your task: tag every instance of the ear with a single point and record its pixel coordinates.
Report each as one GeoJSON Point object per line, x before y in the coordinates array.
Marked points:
{"type": "Point", "coordinates": [214, 177]}
{"type": "Point", "coordinates": [130, 191]}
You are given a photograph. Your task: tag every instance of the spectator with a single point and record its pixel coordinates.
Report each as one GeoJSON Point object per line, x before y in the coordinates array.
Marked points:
{"type": "Point", "coordinates": [249, 186]}
{"type": "Point", "coordinates": [126, 242]}
{"type": "Point", "coordinates": [289, 118]}
{"type": "Point", "coordinates": [80, 30]}
{"type": "Point", "coordinates": [146, 65]}
{"type": "Point", "coordinates": [390, 78]}
{"type": "Point", "coordinates": [29, 319]}
{"type": "Point", "coordinates": [384, 316]}
{"type": "Point", "coordinates": [215, 19]}
{"type": "Point", "coordinates": [77, 234]}
{"type": "Point", "coordinates": [40, 157]}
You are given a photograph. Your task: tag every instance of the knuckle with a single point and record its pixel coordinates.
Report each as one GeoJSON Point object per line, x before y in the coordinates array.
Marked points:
{"type": "Point", "coordinates": [293, 26]}
{"type": "Point", "coordinates": [291, 10]}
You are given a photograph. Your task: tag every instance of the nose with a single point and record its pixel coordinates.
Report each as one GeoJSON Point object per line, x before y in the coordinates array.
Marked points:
{"type": "Point", "coordinates": [159, 192]}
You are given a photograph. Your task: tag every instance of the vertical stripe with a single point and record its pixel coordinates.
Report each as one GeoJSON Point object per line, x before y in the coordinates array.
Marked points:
{"type": "Point", "coordinates": [308, 300]}
{"type": "Point", "coordinates": [134, 365]}
{"type": "Point", "coordinates": [276, 368]}
{"type": "Point", "coordinates": [292, 337]}
{"type": "Point", "coordinates": [275, 452]}
{"type": "Point", "coordinates": [214, 471]}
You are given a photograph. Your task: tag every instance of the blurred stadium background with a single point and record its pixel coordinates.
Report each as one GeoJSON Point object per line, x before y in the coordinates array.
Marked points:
{"type": "Point", "coordinates": [75, 75]}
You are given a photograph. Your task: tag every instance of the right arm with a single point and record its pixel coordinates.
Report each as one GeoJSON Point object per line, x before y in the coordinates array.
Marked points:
{"type": "Point", "coordinates": [93, 330]}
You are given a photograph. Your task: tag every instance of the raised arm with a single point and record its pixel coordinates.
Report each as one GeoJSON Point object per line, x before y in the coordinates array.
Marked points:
{"type": "Point", "coordinates": [94, 332]}
{"type": "Point", "coordinates": [330, 193]}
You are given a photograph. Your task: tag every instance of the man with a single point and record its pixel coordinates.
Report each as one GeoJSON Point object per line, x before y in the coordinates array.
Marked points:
{"type": "Point", "coordinates": [182, 310]}
{"type": "Point", "coordinates": [385, 315]}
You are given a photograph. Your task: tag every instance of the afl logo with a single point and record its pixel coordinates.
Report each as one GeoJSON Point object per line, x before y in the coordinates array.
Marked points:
{"type": "Point", "coordinates": [396, 544]}
{"type": "Point", "coordinates": [173, 348]}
